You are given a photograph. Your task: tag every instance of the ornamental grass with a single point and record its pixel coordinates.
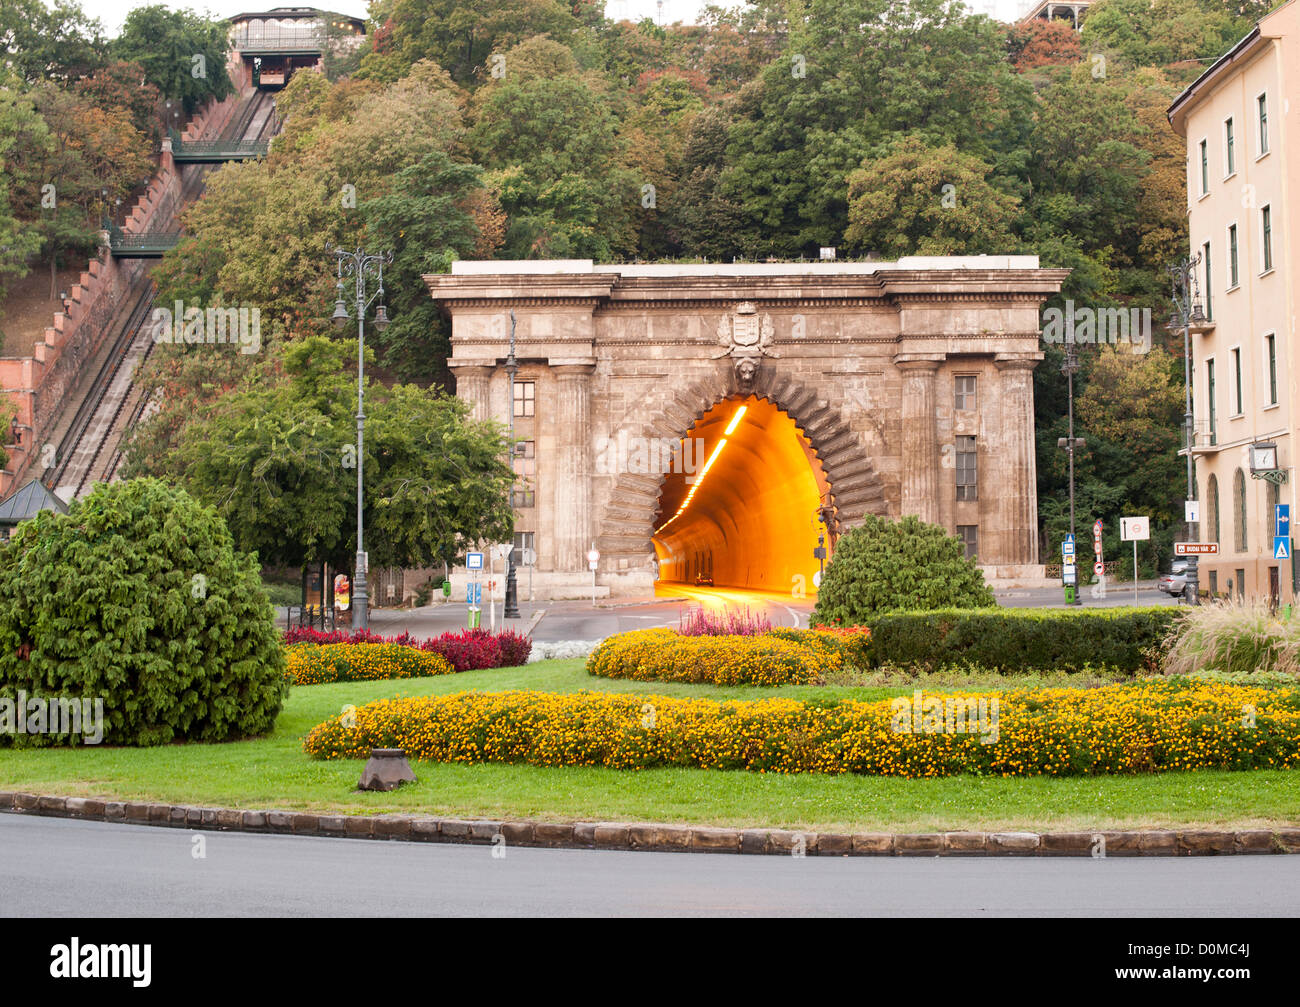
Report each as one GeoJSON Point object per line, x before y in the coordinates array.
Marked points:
{"type": "Point", "coordinates": [663, 655]}
{"type": "Point", "coordinates": [315, 664]}
{"type": "Point", "coordinates": [1149, 726]}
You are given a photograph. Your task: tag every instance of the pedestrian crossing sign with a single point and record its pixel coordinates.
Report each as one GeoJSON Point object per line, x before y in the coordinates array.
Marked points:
{"type": "Point", "coordinates": [1281, 547]}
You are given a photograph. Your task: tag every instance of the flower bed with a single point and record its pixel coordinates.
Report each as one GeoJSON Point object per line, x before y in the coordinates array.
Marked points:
{"type": "Point", "coordinates": [1149, 726]}
{"type": "Point", "coordinates": [315, 664]}
{"type": "Point", "coordinates": [663, 655]}
{"type": "Point", "coordinates": [466, 650]}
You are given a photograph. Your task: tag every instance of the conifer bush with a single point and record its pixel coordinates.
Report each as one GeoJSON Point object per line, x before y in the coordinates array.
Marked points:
{"type": "Point", "coordinates": [138, 597]}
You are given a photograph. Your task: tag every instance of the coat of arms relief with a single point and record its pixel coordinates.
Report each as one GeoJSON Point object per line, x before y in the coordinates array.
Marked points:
{"type": "Point", "coordinates": [747, 339]}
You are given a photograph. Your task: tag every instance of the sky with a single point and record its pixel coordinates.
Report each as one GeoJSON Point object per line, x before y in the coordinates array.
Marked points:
{"type": "Point", "coordinates": [113, 12]}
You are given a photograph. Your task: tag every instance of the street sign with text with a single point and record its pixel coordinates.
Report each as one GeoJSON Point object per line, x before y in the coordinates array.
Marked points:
{"type": "Point", "coordinates": [1134, 529]}
{"type": "Point", "coordinates": [1196, 548]}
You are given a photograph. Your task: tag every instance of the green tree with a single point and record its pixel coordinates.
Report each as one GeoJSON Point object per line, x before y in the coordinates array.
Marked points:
{"type": "Point", "coordinates": [183, 54]}
{"type": "Point", "coordinates": [55, 41]}
{"type": "Point", "coordinates": [893, 566]}
{"type": "Point", "coordinates": [920, 200]}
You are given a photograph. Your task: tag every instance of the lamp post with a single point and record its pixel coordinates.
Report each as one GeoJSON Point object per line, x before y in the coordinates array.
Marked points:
{"type": "Point", "coordinates": [359, 265]}
{"type": "Point", "coordinates": [511, 609]}
{"type": "Point", "coordinates": [1070, 368]}
{"type": "Point", "coordinates": [1187, 310]}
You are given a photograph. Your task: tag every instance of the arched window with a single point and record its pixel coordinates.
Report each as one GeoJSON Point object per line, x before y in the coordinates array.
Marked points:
{"type": "Point", "coordinates": [1239, 510]}
{"type": "Point", "coordinates": [1212, 509]}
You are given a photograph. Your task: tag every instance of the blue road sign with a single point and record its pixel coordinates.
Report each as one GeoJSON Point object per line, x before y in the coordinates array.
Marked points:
{"type": "Point", "coordinates": [474, 561]}
{"type": "Point", "coordinates": [474, 593]}
{"type": "Point", "coordinates": [1281, 547]}
{"type": "Point", "coordinates": [1282, 516]}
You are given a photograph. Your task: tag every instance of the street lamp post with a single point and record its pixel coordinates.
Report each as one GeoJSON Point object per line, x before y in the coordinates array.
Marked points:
{"type": "Point", "coordinates": [360, 264]}
{"type": "Point", "coordinates": [1187, 310]}
{"type": "Point", "coordinates": [1070, 368]}
{"type": "Point", "coordinates": [511, 610]}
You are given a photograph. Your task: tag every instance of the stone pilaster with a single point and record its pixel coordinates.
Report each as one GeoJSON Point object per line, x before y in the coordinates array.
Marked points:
{"type": "Point", "coordinates": [573, 470]}
{"type": "Point", "coordinates": [1017, 489]}
{"type": "Point", "coordinates": [473, 385]}
{"type": "Point", "coordinates": [920, 445]}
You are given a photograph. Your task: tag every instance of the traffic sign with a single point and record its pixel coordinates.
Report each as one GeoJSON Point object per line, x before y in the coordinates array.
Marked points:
{"type": "Point", "coordinates": [1067, 549]}
{"type": "Point", "coordinates": [474, 561]}
{"type": "Point", "coordinates": [1281, 547]}
{"type": "Point", "coordinates": [1099, 568]}
{"type": "Point", "coordinates": [1191, 511]}
{"type": "Point", "coordinates": [1134, 529]}
{"type": "Point", "coordinates": [1282, 518]}
{"type": "Point", "coordinates": [473, 593]}
{"type": "Point", "coordinates": [529, 557]}
{"type": "Point", "coordinates": [1069, 573]}
{"type": "Point", "coordinates": [1196, 548]}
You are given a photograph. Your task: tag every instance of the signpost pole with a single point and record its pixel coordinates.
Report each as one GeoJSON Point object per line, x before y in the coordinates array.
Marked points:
{"type": "Point", "coordinates": [1135, 571]}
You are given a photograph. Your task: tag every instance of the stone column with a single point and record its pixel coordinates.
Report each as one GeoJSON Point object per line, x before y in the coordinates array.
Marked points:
{"type": "Point", "coordinates": [1015, 470]}
{"type": "Point", "coordinates": [920, 445]}
{"type": "Point", "coordinates": [473, 385]}
{"type": "Point", "coordinates": [572, 507]}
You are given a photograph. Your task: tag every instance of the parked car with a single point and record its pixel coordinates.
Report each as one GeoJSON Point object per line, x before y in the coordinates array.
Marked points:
{"type": "Point", "coordinates": [1175, 581]}
{"type": "Point", "coordinates": [704, 580]}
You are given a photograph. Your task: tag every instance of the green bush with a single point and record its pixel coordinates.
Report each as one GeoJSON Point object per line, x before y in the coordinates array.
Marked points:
{"type": "Point", "coordinates": [894, 566]}
{"type": "Point", "coordinates": [1014, 640]}
{"type": "Point", "coordinates": [137, 596]}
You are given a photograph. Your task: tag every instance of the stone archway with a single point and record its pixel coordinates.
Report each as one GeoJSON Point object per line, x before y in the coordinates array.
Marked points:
{"type": "Point", "coordinates": [626, 526]}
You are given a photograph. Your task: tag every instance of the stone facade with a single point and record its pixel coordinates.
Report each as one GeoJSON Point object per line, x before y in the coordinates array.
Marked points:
{"type": "Point", "coordinates": [863, 357]}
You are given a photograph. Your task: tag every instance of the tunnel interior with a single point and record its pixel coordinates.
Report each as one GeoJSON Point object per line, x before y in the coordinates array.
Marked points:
{"type": "Point", "coordinates": [742, 511]}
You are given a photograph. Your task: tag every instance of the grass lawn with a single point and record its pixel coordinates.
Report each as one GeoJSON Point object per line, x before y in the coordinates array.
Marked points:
{"type": "Point", "coordinates": [273, 772]}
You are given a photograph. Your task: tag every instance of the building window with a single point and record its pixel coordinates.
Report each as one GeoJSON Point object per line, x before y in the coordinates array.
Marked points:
{"type": "Point", "coordinates": [1236, 378]}
{"type": "Point", "coordinates": [1209, 283]}
{"type": "Point", "coordinates": [525, 398]}
{"type": "Point", "coordinates": [1228, 153]}
{"type": "Point", "coordinates": [1241, 585]}
{"type": "Point", "coordinates": [965, 397]}
{"type": "Point", "coordinates": [1212, 508]}
{"type": "Point", "coordinates": [1273, 499]}
{"type": "Point", "coordinates": [1262, 100]}
{"type": "Point", "coordinates": [1232, 255]}
{"type": "Point", "coordinates": [1270, 349]}
{"type": "Point", "coordinates": [966, 469]}
{"type": "Point", "coordinates": [525, 464]}
{"type": "Point", "coordinates": [1266, 220]}
{"type": "Point", "coordinates": [970, 538]}
{"type": "Point", "coordinates": [1205, 167]}
{"type": "Point", "coordinates": [1209, 400]}
{"type": "Point", "coordinates": [1239, 511]}
{"type": "Point", "coordinates": [1214, 582]}
{"type": "Point", "coordinates": [523, 540]}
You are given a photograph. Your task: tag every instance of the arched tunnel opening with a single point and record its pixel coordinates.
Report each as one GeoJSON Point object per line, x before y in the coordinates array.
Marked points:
{"type": "Point", "coordinates": [743, 510]}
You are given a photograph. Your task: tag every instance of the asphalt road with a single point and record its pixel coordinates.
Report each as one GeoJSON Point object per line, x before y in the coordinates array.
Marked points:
{"type": "Point", "coordinates": [61, 867]}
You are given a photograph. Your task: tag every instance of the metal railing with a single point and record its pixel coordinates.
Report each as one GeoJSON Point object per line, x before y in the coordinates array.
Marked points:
{"type": "Point", "coordinates": [142, 244]}
{"type": "Point", "coordinates": [216, 150]}
{"type": "Point", "coordinates": [278, 40]}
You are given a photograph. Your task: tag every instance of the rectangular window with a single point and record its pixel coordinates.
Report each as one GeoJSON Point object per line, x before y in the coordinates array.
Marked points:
{"type": "Point", "coordinates": [1262, 101]}
{"type": "Point", "coordinates": [1232, 255]}
{"type": "Point", "coordinates": [523, 494]}
{"type": "Point", "coordinates": [1270, 345]}
{"type": "Point", "coordinates": [1236, 380]}
{"type": "Point", "coordinates": [966, 469]}
{"type": "Point", "coordinates": [524, 540]}
{"type": "Point", "coordinates": [1205, 167]}
{"type": "Point", "coordinates": [970, 538]}
{"type": "Point", "coordinates": [1209, 400]}
{"type": "Point", "coordinates": [1229, 155]}
{"type": "Point", "coordinates": [1209, 283]}
{"type": "Point", "coordinates": [965, 397]}
{"type": "Point", "coordinates": [1214, 582]}
{"type": "Point", "coordinates": [1266, 221]}
{"type": "Point", "coordinates": [1241, 585]}
{"type": "Point", "coordinates": [525, 398]}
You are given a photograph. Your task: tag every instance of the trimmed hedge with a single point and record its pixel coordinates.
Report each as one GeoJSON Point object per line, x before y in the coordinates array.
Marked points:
{"type": "Point", "coordinates": [664, 655]}
{"type": "Point", "coordinates": [316, 664]}
{"type": "Point", "coordinates": [1015, 640]}
{"type": "Point", "coordinates": [1150, 726]}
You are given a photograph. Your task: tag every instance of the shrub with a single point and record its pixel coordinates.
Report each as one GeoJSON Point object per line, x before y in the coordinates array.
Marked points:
{"type": "Point", "coordinates": [467, 650]}
{"type": "Point", "coordinates": [316, 664]}
{"type": "Point", "coordinates": [515, 648]}
{"type": "Point", "coordinates": [891, 566]}
{"type": "Point", "coordinates": [699, 622]}
{"type": "Point", "coordinates": [305, 634]}
{"type": "Point", "coordinates": [137, 596]}
{"type": "Point", "coordinates": [666, 656]}
{"type": "Point", "coordinates": [1016, 640]}
{"type": "Point", "coordinates": [1150, 726]}
{"type": "Point", "coordinates": [1233, 637]}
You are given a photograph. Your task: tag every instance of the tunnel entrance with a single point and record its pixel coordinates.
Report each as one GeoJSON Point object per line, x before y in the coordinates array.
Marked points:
{"type": "Point", "coordinates": [742, 512]}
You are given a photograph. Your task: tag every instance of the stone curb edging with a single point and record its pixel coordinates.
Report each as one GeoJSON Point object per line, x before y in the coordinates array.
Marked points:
{"type": "Point", "coordinates": [661, 838]}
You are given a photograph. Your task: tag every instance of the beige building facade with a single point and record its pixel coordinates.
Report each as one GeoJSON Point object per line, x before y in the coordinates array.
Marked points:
{"type": "Point", "coordinates": [714, 423]}
{"type": "Point", "coordinates": [1243, 178]}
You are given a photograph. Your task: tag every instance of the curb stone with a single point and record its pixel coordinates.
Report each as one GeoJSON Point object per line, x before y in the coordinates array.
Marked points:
{"type": "Point", "coordinates": [662, 837]}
